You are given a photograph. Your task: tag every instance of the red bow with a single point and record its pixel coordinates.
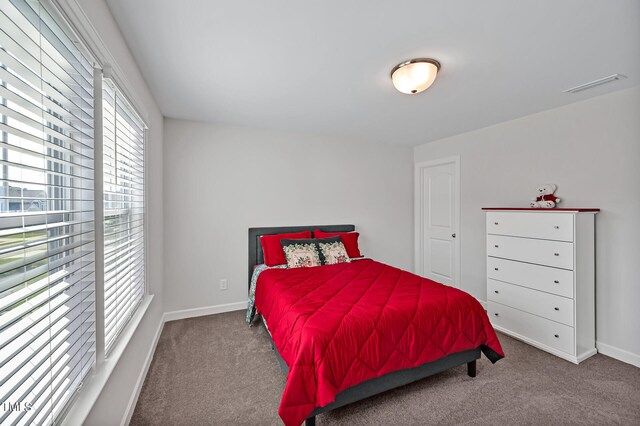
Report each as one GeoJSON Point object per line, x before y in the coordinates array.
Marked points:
{"type": "Point", "coordinates": [547, 197]}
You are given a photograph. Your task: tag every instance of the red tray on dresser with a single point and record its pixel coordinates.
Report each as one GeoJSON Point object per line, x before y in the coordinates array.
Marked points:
{"type": "Point", "coordinates": [577, 209]}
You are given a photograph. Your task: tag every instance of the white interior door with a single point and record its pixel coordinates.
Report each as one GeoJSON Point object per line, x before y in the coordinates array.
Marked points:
{"type": "Point", "coordinates": [437, 214]}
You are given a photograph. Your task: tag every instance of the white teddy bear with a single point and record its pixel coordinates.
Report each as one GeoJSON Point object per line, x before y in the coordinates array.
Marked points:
{"type": "Point", "coordinates": [545, 198]}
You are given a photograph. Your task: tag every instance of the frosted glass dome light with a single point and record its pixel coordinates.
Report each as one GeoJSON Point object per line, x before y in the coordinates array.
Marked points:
{"type": "Point", "coordinates": [415, 76]}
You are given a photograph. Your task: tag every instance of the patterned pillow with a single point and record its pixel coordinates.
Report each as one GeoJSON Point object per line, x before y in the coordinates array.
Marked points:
{"type": "Point", "coordinates": [314, 252]}
{"type": "Point", "coordinates": [333, 251]}
{"type": "Point", "coordinates": [301, 253]}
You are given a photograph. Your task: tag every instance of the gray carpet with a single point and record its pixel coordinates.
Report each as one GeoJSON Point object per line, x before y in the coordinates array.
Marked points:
{"type": "Point", "coordinates": [214, 370]}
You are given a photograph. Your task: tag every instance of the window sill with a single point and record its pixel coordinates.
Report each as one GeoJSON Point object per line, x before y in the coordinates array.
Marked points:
{"type": "Point", "coordinates": [93, 385]}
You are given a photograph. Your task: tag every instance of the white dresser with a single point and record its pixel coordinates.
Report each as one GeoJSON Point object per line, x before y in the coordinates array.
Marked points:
{"type": "Point", "coordinates": [541, 278]}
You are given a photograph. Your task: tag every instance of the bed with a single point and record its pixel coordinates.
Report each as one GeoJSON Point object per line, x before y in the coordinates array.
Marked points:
{"type": "Point", "coordinates": [345, 332]}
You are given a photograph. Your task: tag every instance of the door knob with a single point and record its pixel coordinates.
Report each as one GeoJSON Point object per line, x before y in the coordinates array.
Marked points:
{"type": "Point", "coordinates": [453, 235]}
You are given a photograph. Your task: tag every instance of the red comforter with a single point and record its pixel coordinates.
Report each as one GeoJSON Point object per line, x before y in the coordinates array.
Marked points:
{"type": "Point", "coordinates": [338, 325]}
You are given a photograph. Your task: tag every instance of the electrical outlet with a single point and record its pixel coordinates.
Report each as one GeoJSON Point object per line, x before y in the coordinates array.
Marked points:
{"type": "Point", "coordinates": [223, 285]}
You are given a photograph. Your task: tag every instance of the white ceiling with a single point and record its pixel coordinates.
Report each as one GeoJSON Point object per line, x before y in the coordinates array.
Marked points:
{"type": "Point", "coordinates": [322, 67]}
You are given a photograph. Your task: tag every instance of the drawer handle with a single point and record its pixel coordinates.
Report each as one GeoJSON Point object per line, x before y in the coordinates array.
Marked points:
{"type": "Point", "coordinates": [496, 314]}
{"type": "Point", "coordinates": [556, 227]}
{"type": "Point", "coordinates": [557, 335]}
{"type": "Point", "coordinates": [495, 269]}
{"type": "Point", "coordinates": [557, 309]}
{"type": "Point", "coordinates": [556, 281]}
{"type": "Point", "coordinates": [495, 245]}
{"type": "Point", "coordinates": [556, 254]}
{"type": "Point", "coordinates": [495, 223]}
{"type": "Point", "coordinates": [495, 291]}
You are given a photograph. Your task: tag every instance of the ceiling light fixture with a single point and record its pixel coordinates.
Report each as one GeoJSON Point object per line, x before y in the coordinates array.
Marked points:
{"type": "Point", "coordinates": [415, 75]}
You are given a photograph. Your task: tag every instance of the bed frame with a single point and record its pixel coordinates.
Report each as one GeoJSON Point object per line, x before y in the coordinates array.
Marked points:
{"type": "Point", "coordinates": [374, 386]}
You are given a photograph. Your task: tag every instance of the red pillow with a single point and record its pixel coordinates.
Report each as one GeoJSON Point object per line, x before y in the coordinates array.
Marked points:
{"type": "Point", "coordinates": [272, 250]}
{"type": "Point", "coordinates": [349, 239]}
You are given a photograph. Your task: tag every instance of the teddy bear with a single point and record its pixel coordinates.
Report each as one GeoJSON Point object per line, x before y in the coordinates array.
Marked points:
{"type": "Point", "coordinates": [544, 197]}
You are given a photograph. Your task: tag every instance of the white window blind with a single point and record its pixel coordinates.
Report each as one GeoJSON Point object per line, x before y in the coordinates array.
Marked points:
{"type": "Point", "coordinates": [124, 266]}
{"type": "Point", "coordinates": [47, 309]}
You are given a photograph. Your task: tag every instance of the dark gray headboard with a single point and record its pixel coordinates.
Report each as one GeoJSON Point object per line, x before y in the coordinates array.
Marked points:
{"type": "Point", "coordinates": [255, 249]}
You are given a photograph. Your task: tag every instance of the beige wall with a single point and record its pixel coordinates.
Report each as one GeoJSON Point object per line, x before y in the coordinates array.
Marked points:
{"type": "Point", "coordinates": [591, 150]}
{"type": "Point", "coordinates": [222, 180]}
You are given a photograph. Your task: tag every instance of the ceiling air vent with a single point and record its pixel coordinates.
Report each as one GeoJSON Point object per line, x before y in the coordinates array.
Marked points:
{"type": "Point", "coordinates": [595, 83]}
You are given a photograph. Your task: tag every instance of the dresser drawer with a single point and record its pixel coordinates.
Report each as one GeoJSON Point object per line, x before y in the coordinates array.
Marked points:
{"type": "Point", "coordinates": [543, 278]}
{"type": "Point", "coordinates": [551, 306]}
{"type": "Point", "coordinates": [558, 254]}
{"type": "Point", "coordinates": [548, 226]}
{"type": "Point", "coordinates": [541, 330]}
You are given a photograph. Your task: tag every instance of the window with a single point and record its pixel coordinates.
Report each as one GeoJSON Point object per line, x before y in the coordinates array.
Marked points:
{"type": "Point", "coordinates": [124, 274]}
{"type": "Point", "coordinates": [47, 271]}
{"type": "Point", "coordinates": [49, 339]}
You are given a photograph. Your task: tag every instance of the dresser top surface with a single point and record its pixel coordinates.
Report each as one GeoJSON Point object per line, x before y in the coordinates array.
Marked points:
{"type": "Point", "coordinates": [578, 209]}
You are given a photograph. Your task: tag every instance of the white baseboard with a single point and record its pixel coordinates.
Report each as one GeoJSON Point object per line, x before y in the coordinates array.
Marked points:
{"type": "Point", "coordinates": [205, 310]}
{"type": "Point", "coordinates": [143, 374]}
{"type": "Point", "coordinates": [619, 354]}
